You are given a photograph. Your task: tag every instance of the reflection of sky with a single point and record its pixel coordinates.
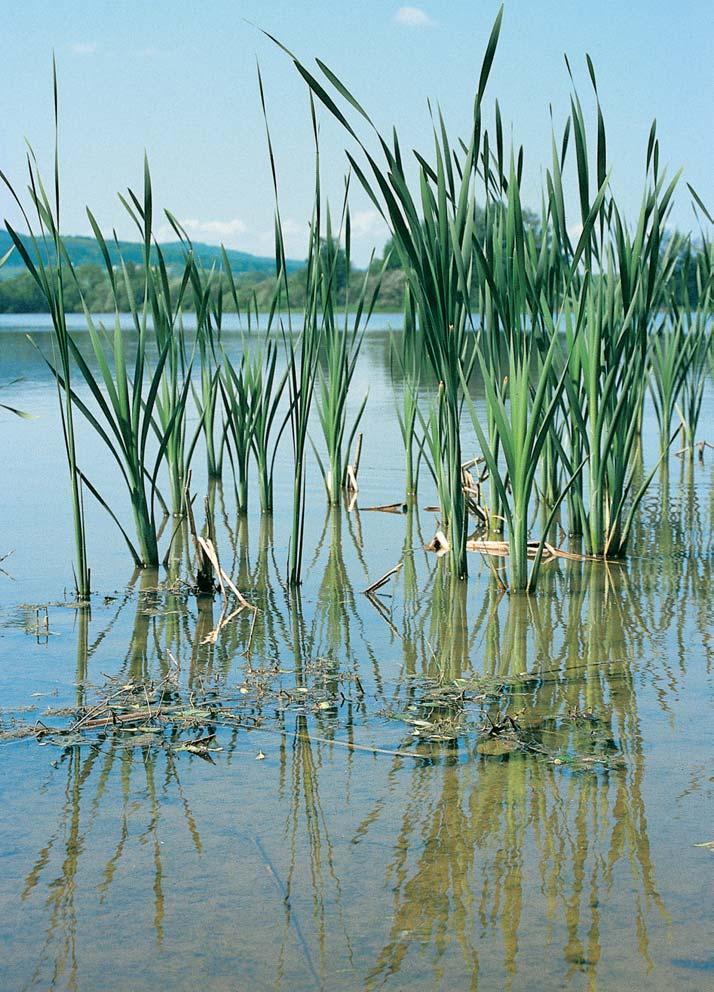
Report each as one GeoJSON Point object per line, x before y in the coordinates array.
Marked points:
{"type": "Point", "coordinates": [365, 868]}
{"type": "Point", "coordinates": [361, 868]}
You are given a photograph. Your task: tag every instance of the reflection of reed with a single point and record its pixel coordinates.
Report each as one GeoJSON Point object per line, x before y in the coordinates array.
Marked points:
{"type": "Point", "coordinates": [483, 850]}
{"type": "Point", "coordinates": [306, 826]}
{"type": "Point", "coordinates": [446, 644]}
{"type": "Point", "coordinates": [469, 834]}
{"type": "Point", "coordinates": [336, 606]}
{"type": "Point", "coordinates": [677, 543]}
{"type": "Point", "coordinates": [337, 617]}
{"type": "Point", "coordinates": [123, 778]}
{"type": "Point", "coordinates": [132, 778]}
{"type": "Point", "coordinates": [433, 900]}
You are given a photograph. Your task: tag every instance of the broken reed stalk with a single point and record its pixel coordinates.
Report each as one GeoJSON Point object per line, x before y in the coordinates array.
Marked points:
{"type": "Point", "coordinates": [210, 576]}
{"type": "Point", "coordinates": [205, 585]}
{"type": "Point", "coordinates": [371, 589]}
{"type": "Point", "coordinates": [353, 469]}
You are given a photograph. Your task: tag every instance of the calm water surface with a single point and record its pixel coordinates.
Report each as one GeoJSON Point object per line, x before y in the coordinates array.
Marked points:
{"type": "Point", "coordinates": [448, 858]}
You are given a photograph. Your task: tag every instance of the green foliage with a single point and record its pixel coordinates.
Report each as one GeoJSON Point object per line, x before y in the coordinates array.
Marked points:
{"type": "Point", "coordinates": [341, 342]}
{"type": "Point", "coordinates": [567, 335]}
{"type": "Point", "coordinates": [86, 252]}
{"type": "Point", "coordinates": [49, 277]}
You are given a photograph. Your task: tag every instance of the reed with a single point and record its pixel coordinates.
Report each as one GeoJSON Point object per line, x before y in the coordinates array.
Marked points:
{"type": "Point", "coordinates": [522, 363]}
{"type": "Point", "coordinates": [524, 419]}
{"type": "Point", "coordinates": [695, 320]}
{"type": "Point", "coordinates": [207, 294]}
{"type": "Point", "coordinates": [341, 343]}
{"type": "Point", "coordinates": [340, 349]}
{"type": "Point", "coordinates": [48, 269]}
{"type": "Point", "coordinates": [303, 369]}
{"type": "Point", "coordinates": [607, 381]}
{"type": "Point", "coordinates": [669, 362]}
{"type": "Point", "coordinates": [433, 233]}
{"type": "Point", "coordinates": [153, 400]}
{"type": "Point", "coordinates": [567, 334]}
{"type": "Point", "coordinates": [171, 398]}
{"type": "Point", "coordinates": [240, 422]}
{"type": "Point", "coordinates": [267, 388]}
{"type": "Point", "coordinates": [303, 356]}
{"type": "Point", "coordinates": [406, 351]}
{"type": "Point", "coordinates": [547, 410]}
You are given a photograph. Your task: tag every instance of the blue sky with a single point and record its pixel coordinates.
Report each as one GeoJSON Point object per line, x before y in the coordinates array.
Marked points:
{"type": "Point", "coordinates": [179, 79]}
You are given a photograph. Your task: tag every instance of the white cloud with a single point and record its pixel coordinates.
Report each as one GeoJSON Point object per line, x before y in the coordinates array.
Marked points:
{"type": "Point", "coordinates": [84, 48]}
{"type": "Point", "coordinates": [413, 17]}
{"type": "Point", "coordinates": [213, 232]}
{"type": "Point", "coordinates": [295, 239]}
{"type": "Point", "coordinates": [368, 225]}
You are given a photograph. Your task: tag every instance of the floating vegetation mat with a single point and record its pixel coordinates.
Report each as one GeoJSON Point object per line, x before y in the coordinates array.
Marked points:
{"type": "Point", "coordinates": [469, 719]}
{"type": "Point", "coordinates": [492, 715]}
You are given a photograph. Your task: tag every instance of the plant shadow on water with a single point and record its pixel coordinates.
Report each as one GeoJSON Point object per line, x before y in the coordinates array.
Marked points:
{"type": "Point", "coordinates": [328, 796]}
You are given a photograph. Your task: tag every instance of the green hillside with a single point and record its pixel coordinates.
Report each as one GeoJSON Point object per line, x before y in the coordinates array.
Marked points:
{"type": "Point", "coordinates": [85, 251]}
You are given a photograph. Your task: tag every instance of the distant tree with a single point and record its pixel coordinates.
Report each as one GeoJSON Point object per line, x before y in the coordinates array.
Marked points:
{"type": "Point", "coordinates": [693, 268]}
{"type": "Point", "coordinates": [333, 254]}
{"type": "Point", "coordinates": [530, 218]}
{"type": "Point", "coordinates": [393, 261]}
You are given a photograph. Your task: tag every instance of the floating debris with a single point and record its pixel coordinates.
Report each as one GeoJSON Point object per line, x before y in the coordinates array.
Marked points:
{"type": "Point", "coordinates": [386, 508]}
{"type": "Point", "coordinates": [371, 589]}
{"type": "Point", "coordinates": [439, 543]}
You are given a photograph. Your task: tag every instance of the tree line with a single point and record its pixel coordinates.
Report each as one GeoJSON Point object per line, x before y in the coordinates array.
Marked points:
{"type": "Point", "coordinates": [19, 294]}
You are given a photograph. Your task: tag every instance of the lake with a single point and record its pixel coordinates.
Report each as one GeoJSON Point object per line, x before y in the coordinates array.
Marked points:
{"type": "Point", "coordinates": [447, 788]}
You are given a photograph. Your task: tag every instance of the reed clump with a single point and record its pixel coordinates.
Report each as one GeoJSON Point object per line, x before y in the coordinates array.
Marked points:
{"type": "Point", "coordinates": [569, 336]}
{"type": "Point", "coordinates": [563, 332]}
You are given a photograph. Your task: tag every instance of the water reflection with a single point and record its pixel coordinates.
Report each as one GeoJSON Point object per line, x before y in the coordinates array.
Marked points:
{"type": "Point", "coordinates": [473, 837]}
{"type": "Point", "coordinates": [431, 863]}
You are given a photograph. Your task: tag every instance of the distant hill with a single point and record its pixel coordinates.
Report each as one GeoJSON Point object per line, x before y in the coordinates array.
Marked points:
{"type": "Point", "coordinates": [85, 251]}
